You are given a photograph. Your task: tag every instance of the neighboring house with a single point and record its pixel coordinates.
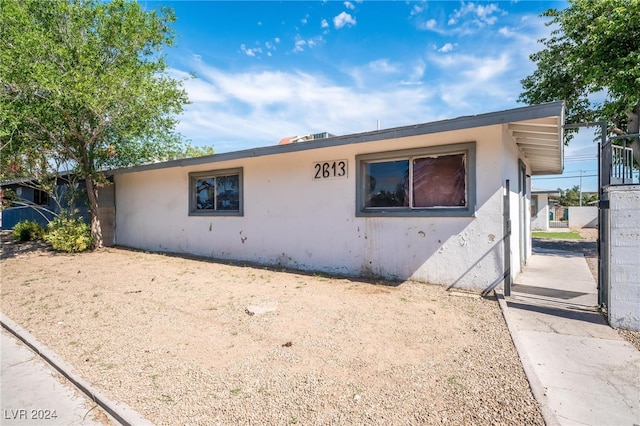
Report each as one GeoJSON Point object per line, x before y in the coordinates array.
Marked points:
{"type": "Point", "coordinates": [542, 208]}
{"type": "Point", "coordinates": [34, 204]}
{"type": "Point", "coordinates": [39, 206]}
{"type": "Point", "coordinates": [429, 202]}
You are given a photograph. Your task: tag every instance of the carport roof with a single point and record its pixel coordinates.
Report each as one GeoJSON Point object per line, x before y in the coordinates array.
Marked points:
{"type": "Point", "coordinates": [537, 130]}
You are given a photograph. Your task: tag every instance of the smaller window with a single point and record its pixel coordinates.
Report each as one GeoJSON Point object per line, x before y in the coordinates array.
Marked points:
{"type": "Point", "coordinates": [216, 193]}
{"type": "Point", "coordinates": [40, 198]}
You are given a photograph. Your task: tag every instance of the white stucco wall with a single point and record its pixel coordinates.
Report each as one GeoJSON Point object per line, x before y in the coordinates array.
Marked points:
{"type": "Point", "coordinates": [293, 221]}
{"type": "Point", "coordinates": [583, 217]}
{"type": "Point", "coordinates": [624, 255]}
{"type": "Point", "coordinates": [519, 211]}
{"type": "Point", "coordinates": [540, 221]}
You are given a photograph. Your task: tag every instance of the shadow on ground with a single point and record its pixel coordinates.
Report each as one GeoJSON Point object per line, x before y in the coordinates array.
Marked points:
{"type": "Point", "coordinates": [585, 247]}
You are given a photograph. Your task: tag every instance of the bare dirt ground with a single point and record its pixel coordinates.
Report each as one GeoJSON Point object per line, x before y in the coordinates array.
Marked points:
{"type": "Point", "coordinates": [174, 339]}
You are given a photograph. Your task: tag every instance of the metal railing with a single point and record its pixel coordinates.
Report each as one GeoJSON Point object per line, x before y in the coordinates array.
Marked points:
{"type": "Point", "coordinates": [617, 163]}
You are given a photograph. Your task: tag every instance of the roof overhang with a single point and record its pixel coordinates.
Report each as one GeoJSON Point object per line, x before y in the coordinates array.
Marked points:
{"type": "Point", "coordinates": [537, 129]}
{"type": "Point", "coordinates": [541, 141]}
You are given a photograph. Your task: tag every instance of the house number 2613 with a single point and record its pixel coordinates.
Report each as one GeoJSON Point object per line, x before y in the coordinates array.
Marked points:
{"type": "Point", "coordinates": [330, 169]}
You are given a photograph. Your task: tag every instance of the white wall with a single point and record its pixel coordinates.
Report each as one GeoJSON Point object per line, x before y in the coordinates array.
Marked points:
{"type": "Point", "coordinates": [583, 217]}
{"type": "Point", "coordinates": [293, 221]}
{"type": "Point", "coordinates": [623, 306]}
{"type": "Point", "coordinates": [519, 213]}
{"type": "Point", "coordinates": [540, 221]}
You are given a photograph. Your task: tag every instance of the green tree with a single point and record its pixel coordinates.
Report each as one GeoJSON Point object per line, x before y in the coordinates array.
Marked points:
{"type": "Point", "coordinates": [592, 61]}
{"type": "Point", "coordinates": [190, 151]}
{"type": "Point", "coordinates": [571, 197]}
{"type": "Point", "coordinates": [84, 87]}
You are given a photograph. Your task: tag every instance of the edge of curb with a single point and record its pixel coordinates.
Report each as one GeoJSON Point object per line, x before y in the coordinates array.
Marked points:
{"type": "Point", "coordinates": [535, 384]}
{"type": "Point", "coordinates": [121, 412]}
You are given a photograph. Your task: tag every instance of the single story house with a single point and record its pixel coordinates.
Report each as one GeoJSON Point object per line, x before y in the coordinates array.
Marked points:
{"type": "Point", "coordinates": [445, 202]}
{"type": "Point", "coordinates": [24, 200]}
{"type": "Point", "coordinates": [541, 208]}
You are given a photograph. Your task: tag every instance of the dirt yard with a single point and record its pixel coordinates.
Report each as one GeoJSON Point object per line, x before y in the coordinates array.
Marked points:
{"type": "Point", "coordinates": [186, 341]}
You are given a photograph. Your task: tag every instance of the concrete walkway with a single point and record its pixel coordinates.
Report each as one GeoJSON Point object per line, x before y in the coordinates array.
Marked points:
{"type": "Point", "coordinates": [38, 388]}
{"type": "Point", "coordinates": [580, 369]}
{"type": "Point", "coordinates": [33, 393]}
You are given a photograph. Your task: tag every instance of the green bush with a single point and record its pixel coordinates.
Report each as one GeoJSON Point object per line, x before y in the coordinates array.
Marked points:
{"type": "Point", "coordinates": [27, 230]}
{"type": "Point", "coordinates": [69, 234]}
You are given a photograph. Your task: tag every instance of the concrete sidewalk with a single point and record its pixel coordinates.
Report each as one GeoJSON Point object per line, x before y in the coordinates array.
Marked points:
{"type": "Point", "coordinates": [580, 369]}
{"type": "Point", "coordinates": [33, 393]}
{"type": "Point", "coordinates": [38, 388]}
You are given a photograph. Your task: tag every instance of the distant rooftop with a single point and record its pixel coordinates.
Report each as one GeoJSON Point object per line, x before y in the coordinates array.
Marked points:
{"type": "Point", "coordinates": [305, 138]}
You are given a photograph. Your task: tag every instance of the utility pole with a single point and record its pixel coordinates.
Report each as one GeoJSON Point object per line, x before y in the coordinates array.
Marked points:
{"type": "Point", "coordinates": [581, 171]}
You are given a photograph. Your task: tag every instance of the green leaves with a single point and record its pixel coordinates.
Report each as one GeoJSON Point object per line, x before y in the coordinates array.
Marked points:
{"type": "Point", "coordinates": [84, 85]}
{"type": "Point", "coordinates": [591, 61]}
{"type": "Point", "coordinates": [83, 77]}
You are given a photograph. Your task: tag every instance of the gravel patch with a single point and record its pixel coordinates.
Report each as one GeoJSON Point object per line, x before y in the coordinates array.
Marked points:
{"type": "Point", "coordinates": [195, 342]}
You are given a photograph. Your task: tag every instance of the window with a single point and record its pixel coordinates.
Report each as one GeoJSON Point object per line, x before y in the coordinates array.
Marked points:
{"type": "Point", "coordinates": [40, 198]}
{"type": "Point", "coordinates": [216, 193]}
{"type": "Point", "coordinates": [435, 181]}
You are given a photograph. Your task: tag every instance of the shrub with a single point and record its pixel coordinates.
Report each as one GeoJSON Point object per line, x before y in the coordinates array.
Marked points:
{"type": "Point", "coordinates": [69, 234]}
{"type": "Point", "coordinates": [28, 230]}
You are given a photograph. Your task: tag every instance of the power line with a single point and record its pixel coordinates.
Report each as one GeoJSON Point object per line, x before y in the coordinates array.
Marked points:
{"type": "Point", "coordinates": [563, 177]}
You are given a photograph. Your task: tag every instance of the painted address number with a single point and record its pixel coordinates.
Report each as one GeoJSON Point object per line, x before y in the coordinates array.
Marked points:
{"type": "Point", "coordinates": [330, 170]}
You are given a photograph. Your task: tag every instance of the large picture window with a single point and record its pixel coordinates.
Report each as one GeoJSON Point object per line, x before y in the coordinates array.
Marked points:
{"type": "Point", "coordinates": [217, 193]}
{"type": "Point", "coordinates": [435, 181]}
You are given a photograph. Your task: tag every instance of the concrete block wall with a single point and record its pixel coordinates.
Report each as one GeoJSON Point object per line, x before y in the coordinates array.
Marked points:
{"type": "Point", "coordinates": [583, 217]}
{"type": "Point", "coordinates": [624, 243]}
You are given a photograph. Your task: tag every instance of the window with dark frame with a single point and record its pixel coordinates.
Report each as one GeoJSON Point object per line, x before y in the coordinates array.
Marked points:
{"type": "Point", "coordinates": [217, 193]}
{"type": "Point", "coordinates": [435, 181]}
{"type": "Point", "coordinates": [40, 198]}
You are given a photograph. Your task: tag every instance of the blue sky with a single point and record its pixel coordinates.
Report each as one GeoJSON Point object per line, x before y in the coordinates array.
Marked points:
{"type": "Point", "coordinates": [266, 70]}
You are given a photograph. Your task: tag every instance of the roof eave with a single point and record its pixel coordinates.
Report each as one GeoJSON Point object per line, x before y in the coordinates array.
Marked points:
{"type": "Point", "coordinates": [522, 114]}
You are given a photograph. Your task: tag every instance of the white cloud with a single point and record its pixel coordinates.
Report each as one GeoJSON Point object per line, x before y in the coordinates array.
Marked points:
{"type": "Point", "coordinates": [374, 73]}
{"type": "Point", "coordinates": [416, 10]}
{"type": "Point", "coordinates": [250, 51]}
{"type": "Point", "coordinates": [259, 108]}
{"type": "Point", "coordinates": [447, 47]}
{"type": "Point", "coordinates": [277, 39]}
{"type": "Point", "coordinates": [324, 24]}
{"type": "Point", "coordinates": [343, 19]}
{"type": "Point", "coordinates": [471, 17]}
{"type": "Point", "coordinates": [349, 5]}
{"type": "Point", "coordinates": [482, 13]}
{"type": "Point", "coordinates": [299, 45]}
{"type": "Point", "coordinates": [305, 19]}
{"type": "Point", "coordinates": [382, 65]}
{"type": "Point", "coordinates": [474, 80]}
{"type": "Point", "coordinates": [507, 32]}
{"type": "Point", "coordinates": [431, 24]}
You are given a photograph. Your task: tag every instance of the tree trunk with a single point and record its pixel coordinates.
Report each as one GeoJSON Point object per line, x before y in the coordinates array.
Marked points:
{"type": "Point", "coordinates": [96, 228]}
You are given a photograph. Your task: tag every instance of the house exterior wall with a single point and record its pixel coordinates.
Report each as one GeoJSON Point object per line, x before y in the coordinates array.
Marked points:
{"type": "Point", "coordinates": [623, 306]}
{"type": "Point", "coordinates": [540, 220]}
{"type": "Point", "coordinates": [583, 217]}
{"type": "Point", "coordinates": [41, 214]}
{"type": "Point", "coordinates": [519, 204]}
{"type": "Point", "coordinates": [292, 221]}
